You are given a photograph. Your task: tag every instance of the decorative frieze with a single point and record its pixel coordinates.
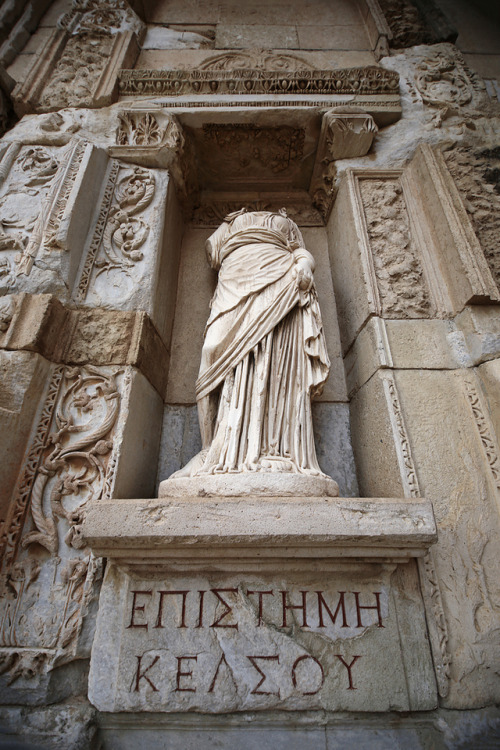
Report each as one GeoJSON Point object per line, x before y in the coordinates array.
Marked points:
{"type": "Point", "coordinates": [255, 59]}
{"type": "Point", "coordinates": [101, 17]}
{"type": "Point", "coordinates": [401, 440]}
{"type": "Point", "coordinates": [485, 431]}
{"type": "Point", "coordinates": [370, 80]}
{"type": "Point", "coordinates": [28, 174]}
{"type": "Point", "coordinates": [436, 622]}
{"type": "Point", "coordinates": [211, 212]}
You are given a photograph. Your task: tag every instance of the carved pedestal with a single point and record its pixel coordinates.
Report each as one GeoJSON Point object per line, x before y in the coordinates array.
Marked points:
{"type": "Point", "coordinates": [250, 604]}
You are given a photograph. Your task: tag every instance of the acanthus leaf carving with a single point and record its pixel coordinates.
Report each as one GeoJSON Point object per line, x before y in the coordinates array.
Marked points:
{"type": "Point", "coordinates": [476, 174]}
{"type": "Point", "coordinates": [398, 269]}
{"type": "Point", "coordinates": [149, 129]}
{"type": "Point", "coordinates": [71, 462]}
{"type": "Point", "coordinates": [119, 234]}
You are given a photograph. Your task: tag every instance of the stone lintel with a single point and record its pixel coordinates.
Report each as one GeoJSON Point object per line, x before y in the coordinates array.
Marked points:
{"type": "Point", "coordinates": [242, 533]}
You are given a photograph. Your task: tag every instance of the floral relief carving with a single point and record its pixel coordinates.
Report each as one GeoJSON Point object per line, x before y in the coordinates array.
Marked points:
{"type": "Point", "coordinates": [370, 80]}
{"type": "Point", "coordinates": [259, 59]}
{"type": "Point", "coordinates": [22, 197]}
{"type": "Point", "coordinates": [398, 269]}
{"type": "Point", "coordinates": [43, 599]}
{"type": "Point", "coordinates": [73, 465]}
{"type": "Point", "coordinates": [446, 84]}
{"type": "Point", "coordinates": [119, 234]}
{"type": "Point", "coordinates": [476, 174]}
{"type": "Point", "coordinates": [148, 129]}
{"type": "Point", "coordinates": [275, 148]}
{"type": "Point", "coordinates": [77, 72]}
{"type": "Point", "coordinates": [100, 17]}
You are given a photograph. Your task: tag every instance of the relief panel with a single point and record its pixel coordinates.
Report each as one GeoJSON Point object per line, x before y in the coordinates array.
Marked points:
{"type": "Point", "coordinates": [47, 572]}
{"type": "Point", "coordinates": [125, 246]}
{"type": "Point", "coordinates": [90, 418]}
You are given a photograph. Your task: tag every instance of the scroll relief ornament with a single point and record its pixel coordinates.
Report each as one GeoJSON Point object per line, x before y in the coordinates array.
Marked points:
{"type": "Point", "coordinates": [119, 235]}
{"type": "Point", "coordinates": [100, 17]}
{"type": "Point", "coordinates": [23, 194]}
{"type": "Point", "coordinates": [446, 84]}
{"type": "Point", "coordinates": [43, 599]}
{"type": "Point", "coordinates": [477, 175]}
{"type": "Point", "coordinates": [264, 357]}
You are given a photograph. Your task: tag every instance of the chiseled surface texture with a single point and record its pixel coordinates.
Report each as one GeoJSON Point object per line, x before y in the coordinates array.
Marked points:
{"type": "Point", "coordinates": [229, 649]}
{"type": "Point", "coordinates": [105, 206]}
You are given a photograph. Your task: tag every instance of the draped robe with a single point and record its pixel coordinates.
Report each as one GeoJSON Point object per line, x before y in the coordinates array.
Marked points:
{"type": "Point", "coordinates": [264, 355]}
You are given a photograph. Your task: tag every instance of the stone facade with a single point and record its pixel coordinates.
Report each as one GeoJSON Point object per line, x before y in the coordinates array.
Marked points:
{"type": "Point", "coordinates": [137, 615]}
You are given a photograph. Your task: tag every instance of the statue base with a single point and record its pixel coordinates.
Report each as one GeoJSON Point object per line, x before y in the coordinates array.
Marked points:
{"type": "Point", "coordinates": [258, 483]}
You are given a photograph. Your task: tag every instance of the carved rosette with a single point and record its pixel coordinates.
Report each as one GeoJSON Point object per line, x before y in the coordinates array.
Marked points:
{"type": "Point", "coordinates": [48, 575]}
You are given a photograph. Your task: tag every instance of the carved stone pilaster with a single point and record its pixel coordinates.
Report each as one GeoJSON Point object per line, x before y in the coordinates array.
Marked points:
{"type": "Point", "coordinates": [345, 133]}
{"type": "Point", "coordinates": [87, 49]}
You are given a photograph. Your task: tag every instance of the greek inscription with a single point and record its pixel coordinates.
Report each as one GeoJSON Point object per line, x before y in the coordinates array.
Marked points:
{"type": "Point", "coordinates": [256, 690]}
{"type": "Point", "coordinates": [296, 663]}
{"type": "Point", "coordinates": [184, 608]}
{"type": "Point", "coordinates": [138, 608]}
{"type": "Point", "coordinates": [184, 594]}
{"type": "Point", "coordinates": [349, 668]}
{"type": "Point", "coordinates": [218, 623]}
{"type": "Point", "coordinates": [143, 675]}
{"type": "Point", "coordinates": [181, 674]}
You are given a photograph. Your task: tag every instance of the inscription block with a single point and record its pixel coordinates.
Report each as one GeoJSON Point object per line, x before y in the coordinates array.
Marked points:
{"type": "Point", "coordinates": [340, 641]}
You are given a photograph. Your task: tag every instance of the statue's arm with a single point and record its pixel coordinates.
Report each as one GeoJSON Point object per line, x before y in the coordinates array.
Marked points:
{"type": "Point", "coordinates": [214, 244]}
{"type": "Point", "coordinates": [304, 268]}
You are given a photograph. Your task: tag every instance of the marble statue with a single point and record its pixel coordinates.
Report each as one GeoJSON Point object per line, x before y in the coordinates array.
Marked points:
{"type": "Point", "coordinates": [264, 355]}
